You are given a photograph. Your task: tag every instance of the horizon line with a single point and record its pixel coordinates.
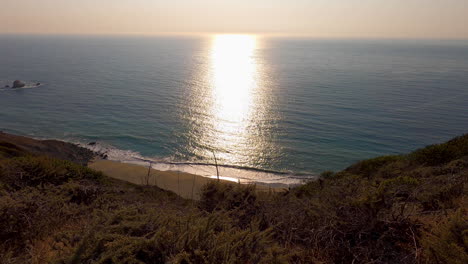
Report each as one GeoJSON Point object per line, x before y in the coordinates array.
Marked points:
{"type": "Point", "coordinates": [265, 34]}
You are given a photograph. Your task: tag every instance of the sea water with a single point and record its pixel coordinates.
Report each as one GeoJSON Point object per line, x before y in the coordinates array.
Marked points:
{"type": "Point", "coordinates": [266, 109]}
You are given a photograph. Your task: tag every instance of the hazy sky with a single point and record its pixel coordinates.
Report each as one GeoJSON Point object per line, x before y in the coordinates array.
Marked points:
{"type": "Point", "coordinates": [316, 18]}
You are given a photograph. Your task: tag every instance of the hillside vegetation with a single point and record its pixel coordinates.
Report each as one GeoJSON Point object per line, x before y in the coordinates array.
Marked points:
{"type": "Point", "coordinates": [393, 209]}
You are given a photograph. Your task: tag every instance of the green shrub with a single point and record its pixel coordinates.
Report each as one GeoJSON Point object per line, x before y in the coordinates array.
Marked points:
{"type": "Point", "coordinates": [327, 174]}
{"type": "Point", "coordinates": [239, 200]}
{"type": "Point", "coordinates": [82, 193]}
{"type": "Point", "coordinates": [9, 150]}
{"type": "Point", "coordinates": [224, 196]}
{"type": "Point", "coordinates": [442, 153]}
{"type": "Point", "coordinates": [397, 184]}
{"type": "Point", "coordinates": [20, 172]}
{"type": "Point", "coordinates": [449, 241]}
{"type": "Point", "coordinates": [29, 214]}
{"type": "Point", "coordinates": [441, 192]}
{"type": "Point", "coordinates": [139, 235]}
{"type": "Point", "coordinates": [370, 167]}
{"type": "Point", "coordinates": [392, 209]}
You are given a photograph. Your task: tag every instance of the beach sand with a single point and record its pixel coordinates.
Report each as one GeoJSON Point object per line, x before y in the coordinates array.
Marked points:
{"type": "Point", "coordinates": [184, 184]}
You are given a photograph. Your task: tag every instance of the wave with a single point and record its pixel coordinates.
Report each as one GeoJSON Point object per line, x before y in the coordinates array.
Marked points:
{"type": "Point", "coordinates": [236, 173]}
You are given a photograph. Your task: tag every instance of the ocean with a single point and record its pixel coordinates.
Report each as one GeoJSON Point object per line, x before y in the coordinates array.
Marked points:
{"type": "Point", "coordinates": [266, 109]}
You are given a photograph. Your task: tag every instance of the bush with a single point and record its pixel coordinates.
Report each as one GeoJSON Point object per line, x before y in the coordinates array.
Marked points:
{"type": "Point", "coordinates": [442, 153]}
{"type": "Point", "coordinates": [29, 214]}
{"type": "Point", "coordinates": [370, 167]}
{"type": "Point", "coordinates": [20, 172]}
{"type": "Point", "coordinates": [448, 243]}
{"type": "Point", "coordinates": [139, 235]}
{"type": "Point", "coordinates": [238, 200]}
{"type": "Point", "coordinates": [8, 150]}
{"type": "Point", "coordinates": [225, 196]}
{"type": "Point", "coordinates": [327, 174]}
{"type": "Point", "coordinates": [392, 209]}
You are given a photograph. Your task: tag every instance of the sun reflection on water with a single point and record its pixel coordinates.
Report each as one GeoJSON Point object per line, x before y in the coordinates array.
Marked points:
{"type": "Point", "coordinates": [234, 84]}
{"type": "Point", "coordinates": [234, 74]}
{"type": "Point", "coordinates": [229, 105]}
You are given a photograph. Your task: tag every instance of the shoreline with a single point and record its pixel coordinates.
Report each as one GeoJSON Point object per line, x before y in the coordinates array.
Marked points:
{"type": "Point", "coordinates": [235, 173]}
{"type": "Point", "coordinates": [184, 184]}
{"type": "Point", "coordinates": [176, 177]}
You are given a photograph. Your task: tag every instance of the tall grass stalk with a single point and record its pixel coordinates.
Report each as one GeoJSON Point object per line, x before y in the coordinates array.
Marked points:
{"type": "Point", "coordinates": [216, 164]}
{"type": "Point", "coordinates": [148, 175]}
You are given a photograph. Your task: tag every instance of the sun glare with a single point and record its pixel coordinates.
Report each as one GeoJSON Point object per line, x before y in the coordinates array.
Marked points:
{"type": "Point", "coordinates": [233, 77]}
{"type": "Point", "coordinates": [234, 82]}
{"type": "Point", "coordinates": [232, 102]}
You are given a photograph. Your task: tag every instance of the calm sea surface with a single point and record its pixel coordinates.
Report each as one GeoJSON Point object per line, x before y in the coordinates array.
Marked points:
{"type": "Point", "coordinates": [270, 109]}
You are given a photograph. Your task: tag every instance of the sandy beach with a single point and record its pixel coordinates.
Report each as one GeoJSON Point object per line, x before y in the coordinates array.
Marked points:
{"type": "Point", "coordinates": [184, 184]}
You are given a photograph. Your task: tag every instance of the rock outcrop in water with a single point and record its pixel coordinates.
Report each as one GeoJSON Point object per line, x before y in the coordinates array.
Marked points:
{"type": "Point", "coordinates": [18, 84]}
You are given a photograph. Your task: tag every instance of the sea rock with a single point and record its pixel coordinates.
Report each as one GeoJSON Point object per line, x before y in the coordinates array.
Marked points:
{"type": "Point", "coordinates": [91, 143]}
{"type": "Point", "coordinates": [18, 84]}
{"type": "Point", "coordinates": [7, 86]}
{"type": "Point", "coordinates": [37, 84]}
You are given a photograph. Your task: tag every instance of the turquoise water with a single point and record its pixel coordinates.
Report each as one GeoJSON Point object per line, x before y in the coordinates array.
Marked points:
{"type": "Point", "coordinates": [271, 109]}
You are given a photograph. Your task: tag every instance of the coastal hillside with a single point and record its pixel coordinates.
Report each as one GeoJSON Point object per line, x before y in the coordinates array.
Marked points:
{"type": "Point", "coordinates": [392, 209]}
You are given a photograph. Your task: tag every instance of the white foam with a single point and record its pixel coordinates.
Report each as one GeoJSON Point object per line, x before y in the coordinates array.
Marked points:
{"type": "Point", "coordinates": [113, 153]}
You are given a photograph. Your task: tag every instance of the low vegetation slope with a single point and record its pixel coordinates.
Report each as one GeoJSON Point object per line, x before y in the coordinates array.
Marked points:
{"type": "Point", "coordinates": [392, 209]}
{"type": "Point", "coordinates": [52, 148]}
